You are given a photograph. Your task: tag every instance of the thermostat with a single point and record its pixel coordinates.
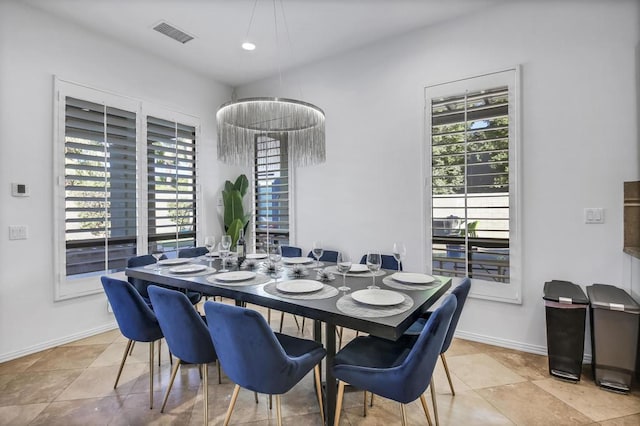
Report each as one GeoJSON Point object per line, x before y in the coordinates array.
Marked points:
{"type": "Point", "coordinates": [19, 190]}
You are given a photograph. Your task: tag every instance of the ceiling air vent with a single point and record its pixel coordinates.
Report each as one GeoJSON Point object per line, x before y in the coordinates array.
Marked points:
{"type": "Point", "coordinates": [171, 31]}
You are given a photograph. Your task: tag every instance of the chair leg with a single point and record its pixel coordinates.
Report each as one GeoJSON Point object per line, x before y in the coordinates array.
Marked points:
{"type": "Point", "coordinates": [316, 371]}
{"type": "Point", "coordinates": [131, 349]}
{"type": "Point", "coordinates": [371, 403]}
{"type": "Point", "coordinates": [205, 392]}
{"type": "Point", "coordinates": [364, 406]}
{"type": "Point", "coordinates": [446, 370]}
{"type": "Point", "coordinates": [435, 404]}
{"type": "Point", "coordinates": [219, 373]}
{"type": "Point", "coordinates": [124, 358]}
{"type": "Point", "coordinates": [270, 402]}
{"type": "Point", "coordinates": [151, 359]}
{"type": "Point", "coordinates": [425, 407]}
{"type": "Point", "coordinates": [339, 397]}
{"type": "Point", "coordinates": [281, 321]}
{"type": "Point", "coordinates": [174, 371]}
{"type": "Point", "coordinates": [269, 316]}
{"type": "Point", "coordinates": [234, 396]}
{"type": "Point", "coordinates": [255, 395]}
{"type": "Point", "coordinates": [295, 318]}
{"type": "Point", "coordinates": [159, 350]}
{"type": "Point", "coordinates": [278, 410]}
{"type": "Point", "coordinates": [339, 331]}
{"type": "Point", "coordinates": [302, 332]}
{"type": "Point", "coordinates": [403, 411]}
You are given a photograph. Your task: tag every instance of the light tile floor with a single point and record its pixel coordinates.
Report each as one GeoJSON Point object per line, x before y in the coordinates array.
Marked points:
{"type": "Point", "coordinates": [73, 385]}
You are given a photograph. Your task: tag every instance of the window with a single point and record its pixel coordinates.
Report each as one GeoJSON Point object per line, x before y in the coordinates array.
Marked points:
{"type": "Point", "coordinates": [271, 191]}
{"type": "Point", "coordinates": [473, 158]}
{"type": "Point", "coordinates": [122, 179]}
{"type": "Point", "coordinates": [171, 184]}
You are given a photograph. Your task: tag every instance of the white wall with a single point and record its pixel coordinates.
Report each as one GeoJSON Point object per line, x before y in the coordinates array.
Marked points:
{"type": "Point", "coordinates": [34, 47]}
{"type": "Point", "coordinates": [580, 142]}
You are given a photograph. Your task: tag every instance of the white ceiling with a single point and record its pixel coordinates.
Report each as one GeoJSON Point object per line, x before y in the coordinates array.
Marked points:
{"type": "Point", "coordinates": [317, 28]}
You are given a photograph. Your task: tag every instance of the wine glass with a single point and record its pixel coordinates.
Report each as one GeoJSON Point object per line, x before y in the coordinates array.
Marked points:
{"type": "Point", "coordinates": [210, 244]}
{"type": "Point", "coordinates": [374, 262]}
{"type": "Point", "coordinates": [343, 265]}
{"type": "Point", "coordinates": [399, 252]}
{"type": "Point", "coordinates": [225, 245]}
{"type": "Point", "coordinates": [157, 252]}
{"type": "Point", "coordinates": [275, 253]}
{"type": "Point", "coordinates": [317, 251]}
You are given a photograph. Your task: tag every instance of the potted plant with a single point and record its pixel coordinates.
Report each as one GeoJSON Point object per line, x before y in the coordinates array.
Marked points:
{"type": "Point", "coordinates": [235, 218]}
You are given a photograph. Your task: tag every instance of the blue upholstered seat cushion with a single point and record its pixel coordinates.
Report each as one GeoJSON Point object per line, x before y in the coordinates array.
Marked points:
{"type": "Point", "coordinates": [396, 370]}
{"type": "Point", "coordinates": [255, 357]}
{"type": "Point", "coordinates": [135, 319]}
{"type": "Point", "coordinates": [183, 327]}
{"type": "Point", "coordinates": [291, 251]}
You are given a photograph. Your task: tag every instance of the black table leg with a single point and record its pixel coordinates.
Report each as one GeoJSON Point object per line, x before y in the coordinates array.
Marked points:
{"type": "Point", "coordinates": [331, 388]}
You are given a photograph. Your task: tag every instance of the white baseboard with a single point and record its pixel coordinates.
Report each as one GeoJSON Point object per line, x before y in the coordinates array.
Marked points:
{"type": "Point", "coordinates": [57, 342]}
{"type": "Point", "coordinates": [509, 344]}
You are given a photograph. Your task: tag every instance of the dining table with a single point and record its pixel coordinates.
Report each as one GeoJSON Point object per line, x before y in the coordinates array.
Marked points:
{"type": "Point", "coordinates": [262, 286]}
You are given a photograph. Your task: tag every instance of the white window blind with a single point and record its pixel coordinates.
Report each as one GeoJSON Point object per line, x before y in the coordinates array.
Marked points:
{"type": "Point", "coordinates": [100, 187]}
{"type": "Point", "coordinates": [171, 184]}
{"type": "Point", "coordinates": [271, 191]}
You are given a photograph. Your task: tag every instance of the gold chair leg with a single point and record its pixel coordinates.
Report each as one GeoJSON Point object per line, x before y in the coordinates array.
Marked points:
{"type": "Point", "coordinates": [159, 350]}
{"type": "Point", "coordinates": [435, 403]}
{"type": "Point", "coordinates": [281, 321]}
{"type": "Point", "coordinates": [316, 371]}
{"type": "Point", "coordinates": [295, 318]}
{"type": "Point", "coordinates": [131, 349]}
{"type": "Point", "coordinates": [151, 359]}
{"type": "Point", "coordinates": [269, 316]}
{"type": "Point", "coordinates": [205, 392]}
{"type": "Point", "coordinates": [371, 403]}
{"type": "Point", "coordinates": [124, 358]}
{"type": "Point", "coordinates": [174, 371]}
{"type": "Point", "coordinates": [446, 370]}
{"type": "Point", "coordinates": [364, 406]}
{"type": "Point", "coordinates": [278, 410]}
{"type": "Point", "coordinates": [339, 331]}
{"type": "Point", "coordinates": [339, 397]}
{"type": "Point", "coordinates": [255, 395]}
{"type": "Point", "coordinates": [234, 396]}
{"type": "Point", "coordinates": [219, 373]}
{"type": "Point", "coordinates": [303, 318]}
{"type": "Point", "coordinates": [425, 407]}
{"type": "Point", "coordinates": [270, 402]}
{"type": "Point", "coordinates": [403, 411]}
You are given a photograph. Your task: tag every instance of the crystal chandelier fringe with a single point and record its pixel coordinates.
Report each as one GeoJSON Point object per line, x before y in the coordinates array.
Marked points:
{"type": "Point", "coordinates": [239, 122]}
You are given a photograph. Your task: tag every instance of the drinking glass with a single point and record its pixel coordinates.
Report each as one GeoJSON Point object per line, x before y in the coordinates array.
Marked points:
{"type": "Point", "coordinates": [317, 251]}
{"type": "Point", "coordinates": [157, 252]}
{"type": "Point", "coordinates": [343, 265]}
{"type": "Point", "coordinates": [210, 244]}
{"type": "Point", "coordinates": [225, 245]}
{"type": "Point", "coordinates": [275, 253]}
{"type": "Point", "coordinates": [399, 252]}
{"type": "Point", "coordinates": [374, 262]}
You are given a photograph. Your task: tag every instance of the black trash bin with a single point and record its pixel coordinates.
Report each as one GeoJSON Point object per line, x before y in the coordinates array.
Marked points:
{"type": "Point", "coordinates": [615, 318]}
{"type": "Point", "coordinates": [566, 311]}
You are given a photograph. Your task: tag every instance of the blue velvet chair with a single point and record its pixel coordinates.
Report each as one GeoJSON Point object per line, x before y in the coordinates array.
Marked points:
{"type": "Point", "coordinates": [388, 262]}
{"type": "Point", "coordinates": [327, 256]}
{"type": "Point", "coordinates": [186, 334]}
{"type": "Point", "coordinates": [395, 370]}
{"type": "Point", "coordinates": [136, 321]}
{"type": "Point", "coordinates": [193, 252]}
{"type": "Point", "coordinates": [256, 358]}
{"type": "Point", "coordinates": [141, 285]}
{"type": "Point", "coordinates": [291, 251]}
{"type": "Point", "coordinates": [460, 292]}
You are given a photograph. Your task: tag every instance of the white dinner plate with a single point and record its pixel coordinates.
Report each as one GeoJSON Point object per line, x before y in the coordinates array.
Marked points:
{"type": "Point", "coordinates": [358, 267]}
{"type": "Point", "coordinates": [377, 297]}
{"type": "Point", "coordinates": [257, 256]}
{"type": "Point", "coordinates": [299, 286]}
{"type": "Point", "coordinates": [297, 260]}
{"type": "Point", "coordinates": [213, 254]}
{"type": "Point", "coordinates": [188, 269]}
{"type": "Point", "coordinates": [412, 278]}
{"type": "Point", "coordinates": [235, 276]}
{"type": "Point", "coordinates": [173, 262]}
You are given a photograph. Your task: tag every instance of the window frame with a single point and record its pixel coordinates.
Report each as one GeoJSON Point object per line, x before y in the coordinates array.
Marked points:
{"type": "Point", "coordinates": [68, 288]}
{"type": "Point", "coordinates": [504, 292]}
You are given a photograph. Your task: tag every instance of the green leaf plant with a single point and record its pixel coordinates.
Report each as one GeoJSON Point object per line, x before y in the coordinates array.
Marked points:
{"type": "Point", "coordinates": [235, 218]}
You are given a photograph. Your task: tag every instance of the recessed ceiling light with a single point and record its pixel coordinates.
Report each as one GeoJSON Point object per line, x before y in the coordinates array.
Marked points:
{"type": "Point", "coordinates": [247, 45]}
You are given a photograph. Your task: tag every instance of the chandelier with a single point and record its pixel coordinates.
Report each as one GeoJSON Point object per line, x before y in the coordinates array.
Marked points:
{"type": "Point", "coordinates": [239, 122]}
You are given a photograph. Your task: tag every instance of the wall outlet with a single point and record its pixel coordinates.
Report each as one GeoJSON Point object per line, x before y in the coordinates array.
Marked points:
{"type": "Point", "coordinates": [18, 232]}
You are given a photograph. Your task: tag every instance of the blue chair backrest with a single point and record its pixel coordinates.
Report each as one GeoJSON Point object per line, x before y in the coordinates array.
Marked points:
{"type": "Point", "coordinates": [248, 350]}
{"type": "Point", "coordinates": [327, 256]}
{"type": "Point", "coordinates": [135, 319]}
{"type": "Point", "coordinates": [291, 251]}
{"type": "Point", "coordinates": [134, 262]}
{"type": "Point", "coordinates": [388, 262]}
{"type": "Point", "coordinates": [193, 252]}
{"type": "Point", "coordinates": [417, 368]}
{"type": "Point", "coordinates": [460, 292]}
{"type": "Point", "coordinates": [184, 329]}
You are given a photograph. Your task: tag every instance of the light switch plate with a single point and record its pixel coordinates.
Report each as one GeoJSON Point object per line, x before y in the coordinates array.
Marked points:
{"type": "Point", "coordinates": [18, 232]}
{"type": "Point", "coordinates": [594, 215]}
